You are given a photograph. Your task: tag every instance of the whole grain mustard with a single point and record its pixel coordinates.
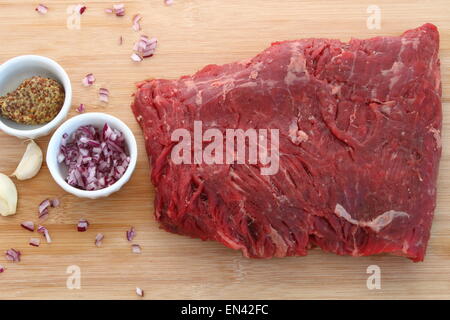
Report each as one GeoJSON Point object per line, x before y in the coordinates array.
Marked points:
{"type": "Point", "coordinates": [36, 101]}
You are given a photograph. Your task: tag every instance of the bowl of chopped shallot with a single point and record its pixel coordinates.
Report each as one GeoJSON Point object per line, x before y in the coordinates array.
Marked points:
{"type": "Point", "coordinates": [92, 155]}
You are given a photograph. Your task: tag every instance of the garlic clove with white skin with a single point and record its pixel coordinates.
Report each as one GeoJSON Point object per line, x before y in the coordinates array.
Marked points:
{"type": "Point", "coordinates": [31, 162]}
{"type": "Point", "coordinates": [8, 196]}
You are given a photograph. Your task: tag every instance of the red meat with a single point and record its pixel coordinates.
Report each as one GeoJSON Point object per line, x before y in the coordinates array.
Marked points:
{"type": "Point", "coordinates": [359, 146]}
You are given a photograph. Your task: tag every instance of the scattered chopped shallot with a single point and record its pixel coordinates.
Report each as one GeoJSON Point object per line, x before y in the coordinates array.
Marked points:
{"type": "Point", "coordinates": [131, 234]}
{"type": "Point", "coordinates": [88, 80]}
{"type": "Point", "coordinates": [81, 9]}
{"type": "Point", "coordinates": [135, 248]}
{"type": "Point", "coordinates": [55, 203]}
{"type": "Point", "coordinates": [139, 292]}
{"type": "Point", "coordinates": [35, 242]}
{"type": "Point", "coordinates": [109, 10]}
{"type": "Point", "coordinates": [136, 57]}
{"type": "Point", "coordinates": [43, 215]}
{"type": "Point", "coordinates": [83, 225]}
{"type": "Point", "coordinates": [43, 208]}
{"type": "Point", "coordinates": [145, 47]}
{"type": "Point", "coordinates": [119, 9]}
{"type": "Point", "coordinates": [2, 269]}
{"type": "Point", "coordinates": [103, 94]}
{"type": "Point", "coordinates": [81, 108]}
{"type": "Point", "coordinates": [28, 225]}
{"type": "Point", "coordinates": [168, 2]}
{"type": "Point", "coordinates": [41, 9]}
{"type": "Point", "coordinates": [44, 231]}
{"type": "Point", "coordinates": [136, 25]}
{"type": "Point", "coordinates": [95, 158]}
{"type": "Point", "coordinates": [98, 239]}
{"type": "Point", "coordinates": [13, 255]}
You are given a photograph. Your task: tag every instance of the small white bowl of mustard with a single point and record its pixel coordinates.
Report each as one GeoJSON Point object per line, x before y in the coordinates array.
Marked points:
{"type": "Point", "coordinates": [17, 70]}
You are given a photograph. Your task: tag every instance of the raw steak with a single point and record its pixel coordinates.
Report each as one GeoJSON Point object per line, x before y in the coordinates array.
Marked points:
{"type": "Point", "coordinates": [359, 146]}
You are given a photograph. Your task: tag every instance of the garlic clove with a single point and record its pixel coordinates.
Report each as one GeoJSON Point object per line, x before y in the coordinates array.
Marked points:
{"type": "Point", "coordinates": [8, 196]}
{"type": "Point", "coordinates": [4, 207]}
{"type": "Point", "coordinates": [31, 162]}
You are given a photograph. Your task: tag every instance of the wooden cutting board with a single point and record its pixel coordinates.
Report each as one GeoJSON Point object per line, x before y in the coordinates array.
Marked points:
{"type": "Point", "coordinates": [192, 33]}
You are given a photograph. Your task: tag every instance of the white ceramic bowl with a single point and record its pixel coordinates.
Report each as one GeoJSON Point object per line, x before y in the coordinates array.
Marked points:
{"type": "Point", "coordinates": [17, 69]}
{"type": "Point", "coordinates": [98, 120]}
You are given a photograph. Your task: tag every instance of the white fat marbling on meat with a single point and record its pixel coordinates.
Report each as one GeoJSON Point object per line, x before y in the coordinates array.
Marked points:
{"type": "Point", "coordinates": [297, 136]}
{"type": "Point", "coordinates": [297, 65]}
{"type": "Point", "coordinates": [237, 187]}
{"type": "Point", "coordinates": [199, 98]}
{"type": "Point", "coordinates": [376, 224]}
{"type": "Point", "coordinates": [232, 243]}
{"type": "Point", "coordinates": [413, 41]}
{"type": "Point", "coordinates": [268, 84]}
{"type": "Point", "coordinates": [336, 88]}
{"type": "Point", "coordinates": [396, 68]}
{"type": "Point", "coordinates": [437, 136]}
{"type": "Point", "coordinates": [248, 85]}
{"type": "Point", "coordinates": [253, 75]}
{"type": "Point", "coordinates": [393, 81]}
{"type": "Point", "coordinates": [279, 242]}
{"type": "Point", "coordinates": [405, 246]}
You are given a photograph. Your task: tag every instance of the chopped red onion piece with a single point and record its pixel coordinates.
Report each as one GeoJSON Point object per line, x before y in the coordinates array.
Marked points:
{"type": "Point", "coordinates": [43, 215]}
{"type": "Point", "coordinates": [64, 139]}
{"type": "Point", "coordinates": [47, 237]}
{"type": "Point", "coordinates": [44, 231]}
{"type": "Point", "coordinates": [145, 47]}
{"type": "Point", "coordinates": [131, 234]}
{"type": "Point", "coordinates": [98, 239]}
{"type": "Point", "coordinates": [42, 9]}
{"type": "Point", "coordinates": [2, 269]}
{"type": "Point", "coordinates": [103, 94]}
{"type": "Point", "coordinates": [81, 9]}
{"type": "Point", "coordinates": [44, 205]}
{"type": "Point", "coordinates": [35, 242]}
{"type": "Point", "coordinates": [81, 108]}
{"type": "Point", "coordinates": [136, 25]}
{"type": "Point", "coordinates": [88, 80]}
{"type": "Point", "coordinates": [136, 57]}
{"type": "Point", "coordinates": [13, 255]}
{"type": "Point", "coordinates": [28, 225]}
{"type": "Point", "coordinates": [135, 248]}
{"type": "Point", "coordinates": [168, 2]}
{"type": "Point", "coordinates": [55, 203]}
{"type": "Point", "coordinates": [107, 132]}
{"type": "Point", "coordinates": [139, 292]}
{"type": "Point", "coordinates": [119, 9]}
{"type": "Point", "coordinates": [43, 208]}
{"type": "Point", "coordinates": [61, 157]}
{"type": "Point", "coordinates": [83, 225]}
{"type": "Point", "coordinates": [109, 10]}
{"type": "Point", "coordinates": [120, 40]}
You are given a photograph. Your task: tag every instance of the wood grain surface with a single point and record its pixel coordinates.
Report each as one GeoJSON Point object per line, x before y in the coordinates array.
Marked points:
{"type": "Point", "coordinates": [191, 33]}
